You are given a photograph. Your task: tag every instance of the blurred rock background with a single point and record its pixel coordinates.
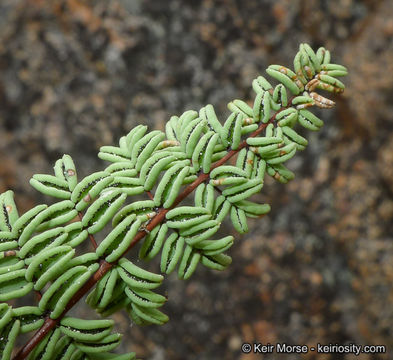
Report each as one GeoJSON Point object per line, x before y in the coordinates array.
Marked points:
{"type": "Point", "coordinates": [76, 75]}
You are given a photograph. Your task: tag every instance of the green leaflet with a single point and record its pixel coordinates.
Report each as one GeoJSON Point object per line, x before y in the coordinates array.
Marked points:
{"type": "Point", "coordinates": [228, 175]}
{"type": "Point", "coordinates": [14, 285]}
{"type": "Point", "coordinates": [134, 136]}
{"type": "Point", "coordinates": [203, 151]}
{"type": "Point", "coordinates": [185, 119]}
{"type": "Point", "coordinates": [86, 330]}
{"type": "Point", "coordinates": [31, 318]}
{"type": "Point", "coordinates": [48, 264]}
{"type": "Point", "coordinates": [260, 85]}
{"type": "Point", "coordinates": [5, 315]}
{"type": "Point", "coordinates": [286, 77]}
{"type": "Point", "coordinates": [46, 348]}
{"type": "Point", "coordinates": [26, 224]}
{"type": "Point", "coordinates": [62, 184]}
{"type": "Point", "coordinates": [8, 335]}
{"type": "Point", "coordinates": [113, 154]}
{"type": "Point", "coordinates": [189, 262]}
{"type": "Point", "coordinates": [252, 209]}
{"type": "Point", "coordinates": [334, 70]}
{"type": "Point", "coordinates": [143, 148]}
{"type": "Point", "coordinates": [127, 185]}
{"type": "Point", "coordinates": [102, 210]}
{"type": "Point", "coordinates": [122, 169]}
{"type": "Point", "coordinates": [108, 343]}
{"type": "Point", "coordinates": [36, 244]}
{"type": "Point", "coordinates": [287, 117]}
{"type": "Point", "coordinates": [144, 297]}
{"type": "Point", "coordinates": [240, 107]}
{"type": "Point", "coordinates": [171, 129]}
{"type": "Point", "coordinates": [262, 105]}
{"type": "Point", "coordinates": [8, 211]}
{"type": "Point", "coordinates": [138, 208]}
{"type": "Point", "coordinates": [170, 184]}
{"type": "Point", "coordinates": [281, 155]}
{"type": "Point", "coordinates": [57, 214]}
{"type": "Point", "coordinates": [118, 300]}
{"type": "Point", "coordinates": [303, 101]}
{"type": "Point", "coordinates": [186, 216]}
{"type": "Point", "coordinates": [153, 167]}
{"type": "Point", "coordinates": [210, 154]}
{"type": "Point", "coordinates": [62, 289]}
{"type": "Point", "coordinates": [89, 188]}
{"type": "Point", "coordinates": [10, 263]}
{"type": "Point", "coordinates": [248, 128]}
{"type": "Point", "coordinates": [145, 315]}
{"type": "Point", "coordinates": [119, 239]}
{"type": "Point", "coordinates": [280, 173]}
{"type": "Point", "coordinates": [233, 129]}
{"type": "Point", "coordinates": [216, 262]}
{"type": "Point", "coordinates": [239, 220]}
{"type": "Point", "coordinates": [215, 247]}
{"type": "Point", "coordinates": [102, 294]}
{"type": "Point", "coordinates": [8, 241]}
{"type": "Point", "coordinates": [171, 253]}
{"type": "Point", "coordinates": [221, 208]}
{"type": "Point", "coordinates": [111, 356]}
{"type": "Point", "coordinates": [76, 234]}
{"type": "Point", "coordinates": [243, 191]}
{"type": "Point", "coordinates": [199, 232]}
{"type": "Point", "coordinates": [64, 349]}
{"type": "Point", "coordinates": [309, 120]}
{"type": "Point", "coordinates": [190, 136]}
{"type": "Point", "coordinates": [291, 136]}
{"type": "Point", "coordinates": [204, 197]}
{"type": "Point", "coordinates": [245, 161]}
{"type": "Point", "coordinates": [51, 186]}
{"type": "Point", "coordinates": [88, 259]}
{"type": "Point", "coordinates": [134, 276]}
{"type": "Point", "coordinates": [65, 170]}
{"type": "Point", "coordinates": [323, 56]}
{"type": "Point", "coordinates": [258, 170]}
{"type": "Point", "coordinates": [280, 97]}
{"type": "Point", "coordinates": [213, 123]}
{"type": "Point", "coordinates": [153, 242]}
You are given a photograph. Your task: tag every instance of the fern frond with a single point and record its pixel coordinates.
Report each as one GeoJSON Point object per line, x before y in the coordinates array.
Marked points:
{"type": "Point", "coordinates": [37, 249]}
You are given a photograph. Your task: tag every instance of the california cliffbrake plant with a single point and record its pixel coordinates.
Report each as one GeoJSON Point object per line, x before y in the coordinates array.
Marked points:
{"type": "Point", "coordinates": [38, 249]}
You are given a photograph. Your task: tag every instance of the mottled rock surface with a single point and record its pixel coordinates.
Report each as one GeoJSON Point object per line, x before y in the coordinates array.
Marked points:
{"type": "Point", "coordinates": [77, 75]}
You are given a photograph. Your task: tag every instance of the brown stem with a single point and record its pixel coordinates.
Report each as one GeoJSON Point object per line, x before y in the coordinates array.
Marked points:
{"type": "Point", "coordinates": [150, 195]}
{"type": "Point", "coordinates": [38, 295]}
{"type": "Point", "coordinates": [49, 323]}
{"type": "Point", "coordinates": [91, 237]}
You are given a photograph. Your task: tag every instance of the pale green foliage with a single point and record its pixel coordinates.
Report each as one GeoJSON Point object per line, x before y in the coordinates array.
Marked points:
{"type": "Point", "coordinates": [37, 249]}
